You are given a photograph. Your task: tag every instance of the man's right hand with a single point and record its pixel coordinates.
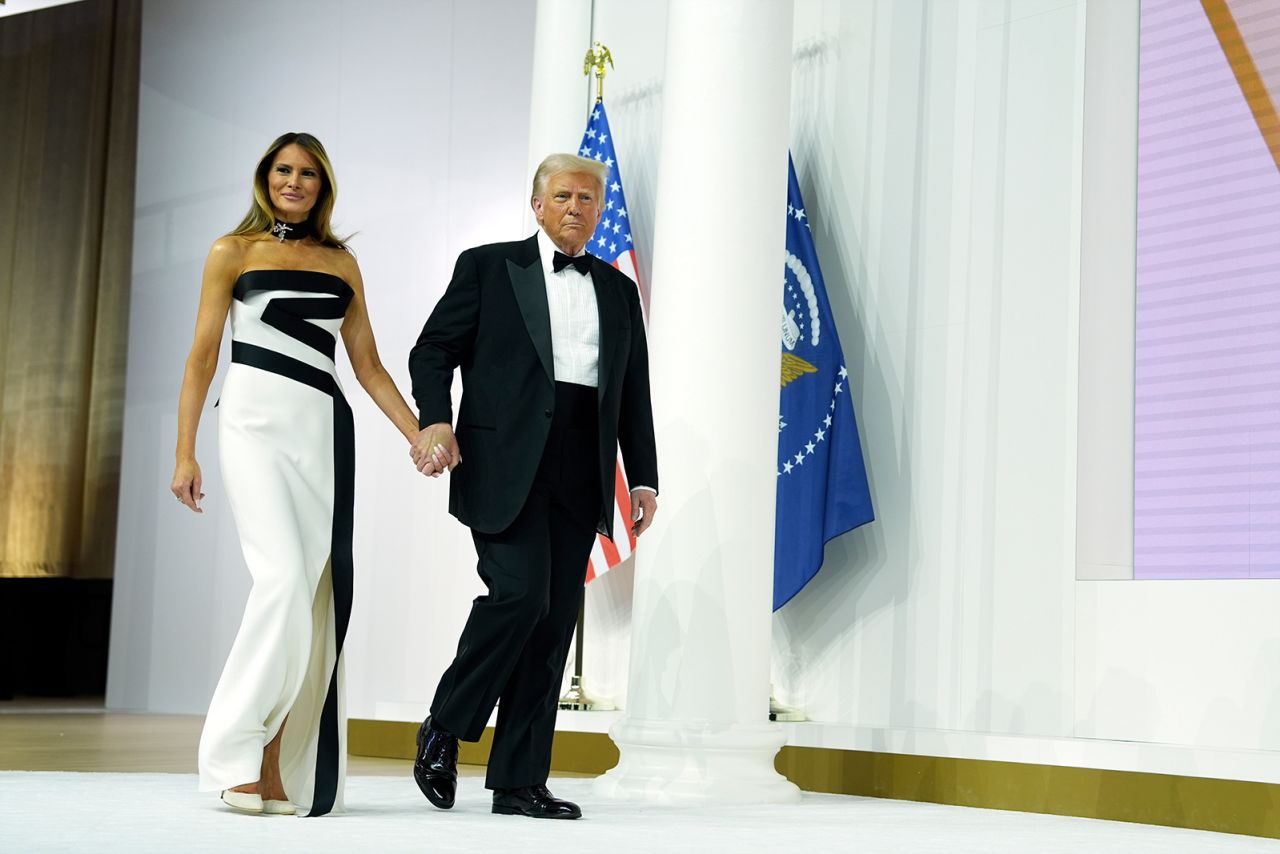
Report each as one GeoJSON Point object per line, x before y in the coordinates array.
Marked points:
{"type": "Point", "coordinates": [435, 449]}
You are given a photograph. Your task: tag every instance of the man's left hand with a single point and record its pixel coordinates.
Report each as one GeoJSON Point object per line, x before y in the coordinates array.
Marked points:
{"type": "Point", "coordinates": [435, 450]}
{"type": "Point", "coordinates": [643, 505]}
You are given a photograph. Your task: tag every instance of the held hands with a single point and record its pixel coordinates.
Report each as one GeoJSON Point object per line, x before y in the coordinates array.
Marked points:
{"type": "Point", "coordinates": [435, 450]}
{"type": "Point", "coordinates": [643, 505]}
{"type": "Point", "coordinates": [186, 484]}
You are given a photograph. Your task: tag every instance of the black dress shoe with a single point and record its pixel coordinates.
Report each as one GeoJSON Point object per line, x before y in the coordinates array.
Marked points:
{"type": "Point", "coordinates": [436, 767]}
{"type": "Point", "coordinates": [533, 801]}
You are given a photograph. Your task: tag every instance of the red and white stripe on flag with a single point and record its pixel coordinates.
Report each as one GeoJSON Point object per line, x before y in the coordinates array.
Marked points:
{"type": "Point", "coordinates": [606, 553]}
{"type": "Point", "coordinates": [613, 243]}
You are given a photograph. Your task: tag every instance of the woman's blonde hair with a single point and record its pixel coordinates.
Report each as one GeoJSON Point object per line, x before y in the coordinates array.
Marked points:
{"type": "Point", "coordinates": [262, 215]}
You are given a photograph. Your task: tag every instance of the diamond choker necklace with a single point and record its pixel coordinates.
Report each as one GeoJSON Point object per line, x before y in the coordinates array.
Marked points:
{"type": "Point", "coordinates": [283, 231]}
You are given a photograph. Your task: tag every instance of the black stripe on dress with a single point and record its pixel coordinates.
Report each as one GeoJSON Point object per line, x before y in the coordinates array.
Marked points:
{"type": "Point", "coordinates": [290, 314]}
{"type": "Point", "coordinates": [302, 281]}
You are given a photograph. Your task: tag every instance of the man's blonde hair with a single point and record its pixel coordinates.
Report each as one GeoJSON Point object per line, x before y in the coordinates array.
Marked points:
{"type": "Point", "coordinates": [556, 164]}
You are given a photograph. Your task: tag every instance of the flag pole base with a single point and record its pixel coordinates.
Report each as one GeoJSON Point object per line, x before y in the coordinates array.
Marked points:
{"type": "Point", "coordinates": [577, 700]}
{"type": "Point", "coordinates": [783, 713]}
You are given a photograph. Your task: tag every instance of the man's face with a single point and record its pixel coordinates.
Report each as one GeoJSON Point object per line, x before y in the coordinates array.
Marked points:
{"type": "Point", "coordinates": [569, 209]}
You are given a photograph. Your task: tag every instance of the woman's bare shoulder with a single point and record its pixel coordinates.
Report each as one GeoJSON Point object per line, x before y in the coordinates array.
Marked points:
{"type": "Point", "coordinates": [344, 262]}
{"type": "Point", "coordinates": [230, 247]}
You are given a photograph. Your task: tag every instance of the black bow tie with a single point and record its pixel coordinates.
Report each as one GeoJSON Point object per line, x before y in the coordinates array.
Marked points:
{"type": "Point", "coordinates": [581, 263]}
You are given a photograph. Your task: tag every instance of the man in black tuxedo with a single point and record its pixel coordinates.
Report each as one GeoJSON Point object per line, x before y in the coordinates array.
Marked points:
{"type": "Point", "coordinates": [555, 378]}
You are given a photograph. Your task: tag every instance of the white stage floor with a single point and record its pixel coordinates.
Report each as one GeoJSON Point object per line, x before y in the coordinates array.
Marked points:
{"type": "Point", "coordinates": [101, 812]}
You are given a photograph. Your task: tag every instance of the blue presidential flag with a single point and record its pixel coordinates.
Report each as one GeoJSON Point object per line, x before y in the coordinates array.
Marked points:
{"type": "Point", "coordinates": [822, 481]}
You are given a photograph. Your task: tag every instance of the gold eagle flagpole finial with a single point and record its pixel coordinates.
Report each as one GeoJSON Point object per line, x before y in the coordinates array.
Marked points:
{"type": "Point", "coordinates": [596, 58]}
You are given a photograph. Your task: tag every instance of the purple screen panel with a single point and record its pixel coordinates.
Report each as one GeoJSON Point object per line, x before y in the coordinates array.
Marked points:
{"type": "Point", "coordinates": [1207, 382]}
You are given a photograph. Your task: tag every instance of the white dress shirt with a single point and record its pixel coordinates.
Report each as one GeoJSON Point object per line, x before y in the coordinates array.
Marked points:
{"type": "Point", "coordinates": [575, 319]}
{"type": "Point", "coordinates": [575, 323]}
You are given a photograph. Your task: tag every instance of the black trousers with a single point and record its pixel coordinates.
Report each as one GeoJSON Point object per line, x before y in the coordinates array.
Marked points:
{"type": "Point", "coordinates": [516, 640]}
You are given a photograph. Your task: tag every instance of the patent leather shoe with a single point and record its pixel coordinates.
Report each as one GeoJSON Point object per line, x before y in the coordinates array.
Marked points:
{"type": "Point", "coordinates": [435, 769]}
{"type": "Point", "coordinates": [533, 801]}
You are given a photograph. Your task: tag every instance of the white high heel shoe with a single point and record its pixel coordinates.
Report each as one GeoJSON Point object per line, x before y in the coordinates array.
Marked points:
{"type": "Point", "coordinates": [249, 802]}
{"type": "Point", "coordinates": [278, 808]}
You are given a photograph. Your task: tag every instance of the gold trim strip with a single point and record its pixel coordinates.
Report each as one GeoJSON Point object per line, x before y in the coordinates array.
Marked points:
{"type": "Point", "coordinates": [1252, 86]}
{"type": "Point", "coordinates": [579, 752]}
{"type": "Point", "coordinates": [1196, 803]}
{"type": "Point", "coordinates": [1199, 803]}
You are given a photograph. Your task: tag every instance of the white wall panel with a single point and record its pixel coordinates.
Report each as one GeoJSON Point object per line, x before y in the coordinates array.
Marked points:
{"type": "Point", "coordinates": [1179, 662]}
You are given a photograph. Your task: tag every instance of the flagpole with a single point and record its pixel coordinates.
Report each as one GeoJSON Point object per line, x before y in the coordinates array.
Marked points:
{"type": "Point", "coordinates": [596, 58]}
{"type": "Point", "coordinates": [576, 698]}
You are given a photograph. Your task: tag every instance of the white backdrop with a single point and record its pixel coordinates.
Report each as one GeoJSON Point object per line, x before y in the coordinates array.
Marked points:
{"type": "Point", "coordinates": [941, 151]}
{"type": "Point", "coordinates": [937, 146]}
{"type": "Point", "coordinates": [969, 168]}
{"type": "Point", "coordinates": [424, 108]}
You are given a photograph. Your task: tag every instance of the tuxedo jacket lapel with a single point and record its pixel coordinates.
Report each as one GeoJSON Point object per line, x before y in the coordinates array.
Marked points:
{"type": "Point", "coordinates": [611, 315]}
{"type": "Point", "coordinates": [530, 289]}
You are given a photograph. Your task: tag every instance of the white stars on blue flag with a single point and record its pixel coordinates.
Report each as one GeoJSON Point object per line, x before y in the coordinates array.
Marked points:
{"type": "Point", "coordinates": [612, 236]}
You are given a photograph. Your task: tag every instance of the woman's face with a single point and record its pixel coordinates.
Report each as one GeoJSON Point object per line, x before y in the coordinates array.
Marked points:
{"type": "Point", "coordinates": [294, 183]}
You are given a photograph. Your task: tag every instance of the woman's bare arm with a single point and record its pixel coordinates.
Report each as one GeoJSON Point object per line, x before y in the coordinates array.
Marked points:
{"type": "Point", "coordinates": [357, 335]}
{"type": "Point", "coordinates": [216, 286]}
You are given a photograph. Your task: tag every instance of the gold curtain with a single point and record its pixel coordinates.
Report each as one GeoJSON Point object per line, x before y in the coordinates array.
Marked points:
{"type": "Point", "coordinates": [68, 130]}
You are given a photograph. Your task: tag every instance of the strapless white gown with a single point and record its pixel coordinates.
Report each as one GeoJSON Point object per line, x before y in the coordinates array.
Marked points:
{"type": "Point", "coordinates": [288, 463]}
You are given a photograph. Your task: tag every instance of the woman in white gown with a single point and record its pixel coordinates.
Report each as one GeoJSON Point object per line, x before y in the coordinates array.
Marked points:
{"type": "Point", "coordinates": [287, 454]}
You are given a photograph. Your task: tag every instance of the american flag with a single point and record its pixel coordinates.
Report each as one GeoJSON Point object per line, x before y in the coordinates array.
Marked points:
{"type": "Point", "coordinates": [611, 242]}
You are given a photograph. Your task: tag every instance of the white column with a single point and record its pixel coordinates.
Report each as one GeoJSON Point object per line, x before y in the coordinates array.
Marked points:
{"type": "Point", "coordinates": [561, 94]}
{"type": "Point", "coordinates": [696, 727]}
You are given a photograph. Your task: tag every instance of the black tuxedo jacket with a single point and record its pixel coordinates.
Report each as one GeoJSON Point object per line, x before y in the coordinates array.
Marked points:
{"type": "Point", "coordinates": [494, 324]}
